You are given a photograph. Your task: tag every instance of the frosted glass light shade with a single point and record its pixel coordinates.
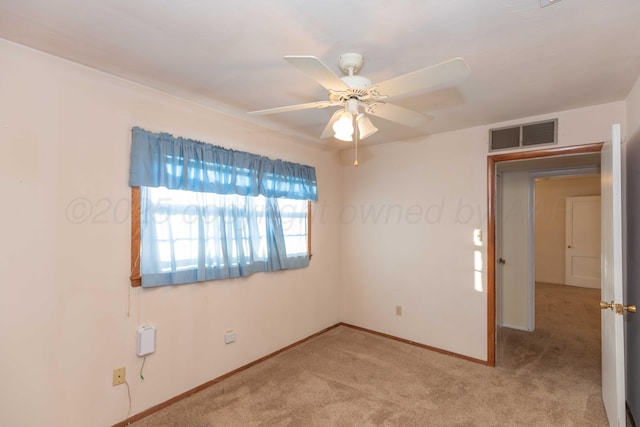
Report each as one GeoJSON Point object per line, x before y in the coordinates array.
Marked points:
{"type": "Point", "coordinates": [343, 127]}
{"type": "Point", "coordinates": [343, 137]}
{"type": "Point", "coordinates": [365, 127]}
{"type": "Point", "coordinates": [343, 124]}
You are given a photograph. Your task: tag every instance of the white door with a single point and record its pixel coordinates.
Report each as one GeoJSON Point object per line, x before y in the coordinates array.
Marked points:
{"type": "Point", "coordinates": [500, 261]}
{"type": "Point", "coordinates": [513, 251]}
{"type": "Point", "coordinates": [582, 242]}
{"type": "Point", "coordinates": [613, 386]}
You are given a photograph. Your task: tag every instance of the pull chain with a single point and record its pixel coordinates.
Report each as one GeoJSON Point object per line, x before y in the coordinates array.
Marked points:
{"type": "Point", "coordinates": [355, 128]}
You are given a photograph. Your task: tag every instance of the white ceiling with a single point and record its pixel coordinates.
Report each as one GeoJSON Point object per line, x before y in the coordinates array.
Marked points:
{"type": "Point", "coordinates": [524, 60]}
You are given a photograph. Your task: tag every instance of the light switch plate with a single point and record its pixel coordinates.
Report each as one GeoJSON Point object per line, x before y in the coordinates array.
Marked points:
{"type": "Point", "coordinates": [229, 337]}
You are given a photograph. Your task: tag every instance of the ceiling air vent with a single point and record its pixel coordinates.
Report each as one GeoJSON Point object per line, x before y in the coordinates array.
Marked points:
{"type": "Point", "coordinates": [530, 134]}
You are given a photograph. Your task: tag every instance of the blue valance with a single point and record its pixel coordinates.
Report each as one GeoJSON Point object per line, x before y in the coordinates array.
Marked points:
{"type": "Point", "coordinates": [162, 160]}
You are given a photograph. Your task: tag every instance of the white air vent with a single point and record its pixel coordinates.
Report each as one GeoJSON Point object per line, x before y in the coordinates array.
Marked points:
{"type": "Point", "coordinates": [530, 134]}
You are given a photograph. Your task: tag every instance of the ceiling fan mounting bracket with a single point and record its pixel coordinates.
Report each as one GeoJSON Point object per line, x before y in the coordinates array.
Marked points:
{"type": "Point", "coordinates": [350, 63]}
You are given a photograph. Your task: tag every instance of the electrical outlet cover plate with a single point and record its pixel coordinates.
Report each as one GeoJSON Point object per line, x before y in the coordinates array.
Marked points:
{"type": "Point", "coordinates": [229, 337]}
{"type": "Point", "coordinates": [119, 376]}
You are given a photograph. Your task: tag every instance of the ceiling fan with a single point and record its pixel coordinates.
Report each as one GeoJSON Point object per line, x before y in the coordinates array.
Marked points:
{"type": "Point", "coordinates": [359, 97]}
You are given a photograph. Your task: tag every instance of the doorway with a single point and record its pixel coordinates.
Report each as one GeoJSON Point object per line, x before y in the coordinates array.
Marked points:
{"type": "Point", "coordinates": [544, 322]}
{"type": "Point", "coordinates": [534, 232]}
{"type": "Point", "coordinates": [554, 157]}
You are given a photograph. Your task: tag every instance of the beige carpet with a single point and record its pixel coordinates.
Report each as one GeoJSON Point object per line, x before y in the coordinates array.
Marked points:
{"type": "Point", "coordinates": [347, 377]}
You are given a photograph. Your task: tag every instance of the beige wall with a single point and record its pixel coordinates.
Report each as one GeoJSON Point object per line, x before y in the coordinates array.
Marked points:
{"type": "Point", "coordinates": [65, 227]}
{"type": "Point", "coordinates": [550, 210]}
{"type": "Point", "coordinates": [430, 196]}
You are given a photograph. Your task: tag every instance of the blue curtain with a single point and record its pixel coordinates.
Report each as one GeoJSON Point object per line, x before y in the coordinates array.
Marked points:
{"type": "Point", "coordinates": [228, 223]}
{"type": "Point", "coordinates": [161, 160]}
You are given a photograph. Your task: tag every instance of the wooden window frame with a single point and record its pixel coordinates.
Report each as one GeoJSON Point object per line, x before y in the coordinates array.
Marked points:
{"type": "Point", "coordinates": [136, 277]}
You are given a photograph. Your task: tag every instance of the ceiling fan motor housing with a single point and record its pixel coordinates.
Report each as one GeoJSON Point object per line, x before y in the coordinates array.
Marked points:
{"type": "Point", "coordinates": [356, 82]}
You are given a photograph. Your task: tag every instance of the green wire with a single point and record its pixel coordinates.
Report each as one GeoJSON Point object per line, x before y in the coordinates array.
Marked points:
{"type": "Point", "coordinates": [142, 367]}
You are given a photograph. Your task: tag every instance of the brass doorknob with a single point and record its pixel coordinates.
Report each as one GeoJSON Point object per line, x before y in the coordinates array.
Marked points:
{"type": "Point", "coordinates": [502, 261]}
{"type": "Point", "coordinates": [620, 309]}
{"type": "Point", "coordinates": [606, 305]}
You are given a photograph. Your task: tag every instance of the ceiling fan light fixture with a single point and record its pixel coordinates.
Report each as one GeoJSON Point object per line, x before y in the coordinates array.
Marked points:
{"type": "Point", "coordinates": [343, 137]}
{"type": "Point", "coordinates": [365, 127]}
{"type": "Point", "coordinates": [343, 127]}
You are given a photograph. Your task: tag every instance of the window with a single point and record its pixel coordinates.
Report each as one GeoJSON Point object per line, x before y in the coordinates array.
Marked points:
{"type": "Point", "coordinates": [253, 215]}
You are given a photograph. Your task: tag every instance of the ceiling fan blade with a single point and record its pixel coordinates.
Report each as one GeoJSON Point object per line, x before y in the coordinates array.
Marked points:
{"type": "Point", "coordinates": [426, 77]}
{"type": "Point", "coordinates": [317, 70]}
{"type": "Point", "coordinates": [400, 115]}
{"type": "Point", "coordinates": [328, 129]}
{"type": "Point", "coordinates": [319, 104]}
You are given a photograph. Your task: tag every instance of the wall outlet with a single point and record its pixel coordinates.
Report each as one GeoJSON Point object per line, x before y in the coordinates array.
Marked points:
{"type": "Point", "coordinates": [229, 337]}
{"type": "Point", "coordinates": [119, 376]}
{"type": "Point", "coordinates": [398, 310]}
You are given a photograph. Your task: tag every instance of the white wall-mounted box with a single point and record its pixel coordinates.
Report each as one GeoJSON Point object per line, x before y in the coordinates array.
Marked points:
{"type": "Point", "coordinates": [146, 340]}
